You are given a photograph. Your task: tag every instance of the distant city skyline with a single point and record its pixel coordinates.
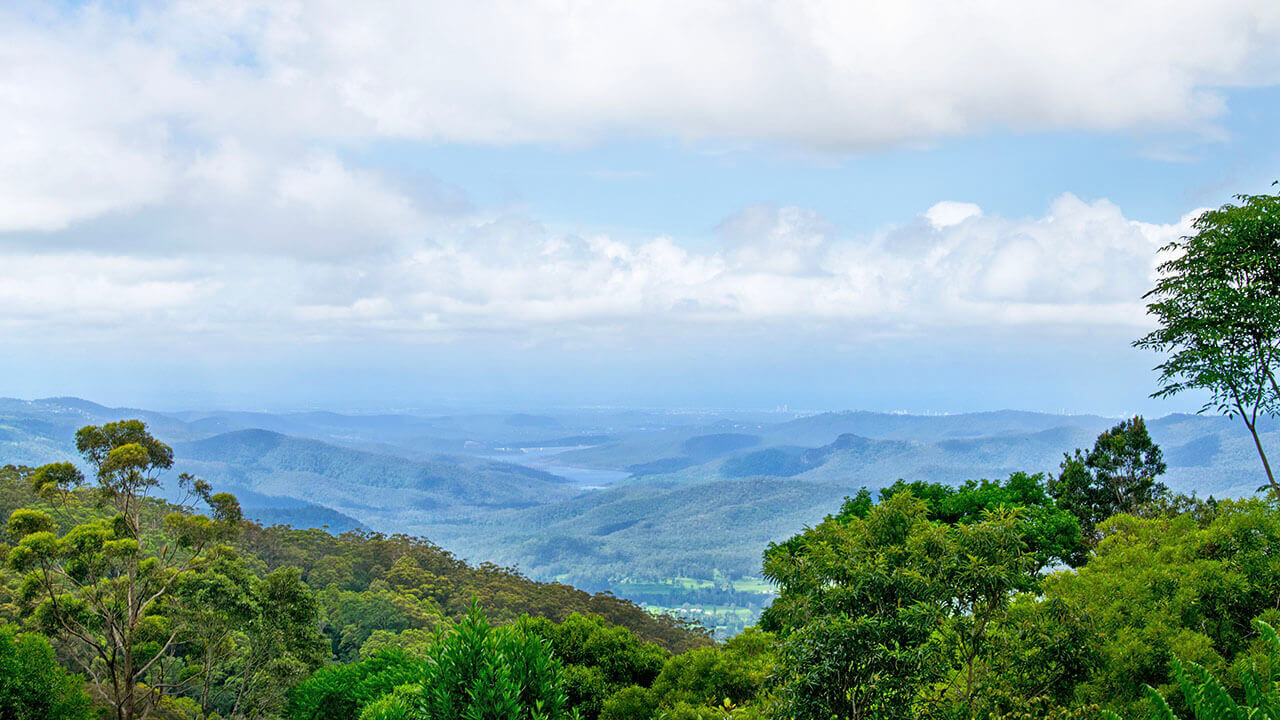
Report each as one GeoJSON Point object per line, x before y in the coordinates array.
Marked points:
{"type": "Point", "coordinates": [362, 206]}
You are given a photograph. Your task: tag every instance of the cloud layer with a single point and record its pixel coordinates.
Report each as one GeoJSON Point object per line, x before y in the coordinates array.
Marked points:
{"type": "Point", "coordinates": [1082, 264]}
{"type": "Point", "coordinates": [185, 167]}
{"type": "Point", "coordinates": [107, 110]}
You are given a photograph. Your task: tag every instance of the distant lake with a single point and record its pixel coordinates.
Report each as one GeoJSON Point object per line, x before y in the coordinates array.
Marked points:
{"type": "Point", "coordinates": [543, 458]}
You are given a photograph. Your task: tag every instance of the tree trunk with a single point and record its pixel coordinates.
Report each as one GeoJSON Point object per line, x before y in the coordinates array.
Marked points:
{"type": "Point", "coordinates": [129, 692]}
{"type": "Point", "coordinates": [1257, 442]}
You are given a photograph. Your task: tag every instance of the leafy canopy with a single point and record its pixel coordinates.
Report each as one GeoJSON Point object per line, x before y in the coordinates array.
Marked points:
{"type": "Point", "coordinates": [877, 614]}
{"type": "Point", "coordinates": [109, 587]}
{"type": "Point", "coordinates": [1218, 306]}
{"type": "Point", "coordinates": [1210, 699]}
{"type": "Point", "coordinates": [1183, 585]}
{"type": "Point", "coordinates": [1050, 532]}
{"type": "Point", "coordinates": [474, 670]}
{"type": "Point", "coordinates": [1117, 476]}
{"type": "Point", "coordinates": [32, 684]}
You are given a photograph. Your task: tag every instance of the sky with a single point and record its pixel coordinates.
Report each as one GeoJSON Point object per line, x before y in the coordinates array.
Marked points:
{"type": "Point", "coordinates": [562, 203]}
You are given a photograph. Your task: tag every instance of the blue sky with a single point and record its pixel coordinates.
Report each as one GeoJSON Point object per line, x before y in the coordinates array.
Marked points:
{"type": "Point", "coordinates": [818, 204]}
{"type": "Point", "coordinates": [664, 186]}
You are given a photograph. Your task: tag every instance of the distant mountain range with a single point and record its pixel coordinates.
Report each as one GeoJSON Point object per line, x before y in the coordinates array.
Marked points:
{"type": "Point", "coordinates": [294, 480]}
{"type": "Point", "coordinates": [684, 494]}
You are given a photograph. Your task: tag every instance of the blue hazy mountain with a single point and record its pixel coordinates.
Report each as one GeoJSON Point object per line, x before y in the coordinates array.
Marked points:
{"type": "Point", "coordinates": [591, 495]}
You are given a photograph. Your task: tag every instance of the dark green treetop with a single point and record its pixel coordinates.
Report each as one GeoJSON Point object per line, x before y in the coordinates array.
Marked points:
{"type": "Point", "coordinates": [1117, 476]}
{"type": "Point", "coordinates": [32, 684]}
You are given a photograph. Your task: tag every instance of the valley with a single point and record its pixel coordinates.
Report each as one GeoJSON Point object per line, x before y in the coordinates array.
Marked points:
{"type": "Point", "coordinates": [669, 509]}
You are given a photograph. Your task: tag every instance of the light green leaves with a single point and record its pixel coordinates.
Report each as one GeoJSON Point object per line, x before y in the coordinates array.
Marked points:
{"type": "Point", "coordinates": [54, 478]}
{"type": "Point", "coordinates": [24, 521]}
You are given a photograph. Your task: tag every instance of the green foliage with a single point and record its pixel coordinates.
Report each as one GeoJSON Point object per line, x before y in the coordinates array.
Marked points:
{"type": "Point", "coordinates": [1218, 305]}
{"type": "Point", "coordinates": [351, 618]}
{"type": "Point", "coordinates": [1050, 532]}
{"type": "Point", "coordinates": [1168, 586]}
{"type": "Point", "coordinates": [703, 677]}
{"type": "Point", "coordinates": [1117, 476]}
{"type": "Point", "coordinates": [249, 623]}
{"type": "Point", "coordinates": [482, 672]}
{"type": "Point", "coordinates": [251, 636]}
{"type": "Point", "coordinates": [599, 659]}
{"type": "Point", "coordinates": [50, 481]}
{"type": "Point", "coordinates": [472, 671]}
{"type": "Point", "coordinates": [32, 684]}
{"type": "Point", "coordinates": [856, 608]}
{"type": "Point", "coordinates": [1038, 653]}
{"type": "Point", "coordinates": [109, 587]}
{"type": "Point", "coordinates": [399, 704]}
{"type": "Point", "coordinates": [340, 692]}
{"type": "Point", "coordinates": [1209, 699]}
{"type": "Point", "coordinates": [413, 641]}
{"type": "Point", "coordinates": [875, 610]}
{"type": "Point", "coordinates": [24, 522]}
{"type": "Point", "coordinates": [630, 703]}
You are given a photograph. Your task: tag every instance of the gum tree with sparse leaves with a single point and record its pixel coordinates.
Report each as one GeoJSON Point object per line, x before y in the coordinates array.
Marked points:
{"type": "Point", "coordinates": [107, 588]}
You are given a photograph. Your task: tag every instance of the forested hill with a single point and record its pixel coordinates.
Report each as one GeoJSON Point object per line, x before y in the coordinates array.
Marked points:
{"type": "Point", "coordinates": [302, 481]}
{"type": "Point", "coordinates": [666, 508]}
{"type": "Point", "coordinates": [370, 584]}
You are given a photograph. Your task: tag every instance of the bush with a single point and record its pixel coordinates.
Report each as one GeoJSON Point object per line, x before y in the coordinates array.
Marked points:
{"type": "Point", "coordinates": [1209, 699]}
{"type": "Point", "coordinates": [472, 671]}
{"type": "Point", "coordinates": [32, 684]}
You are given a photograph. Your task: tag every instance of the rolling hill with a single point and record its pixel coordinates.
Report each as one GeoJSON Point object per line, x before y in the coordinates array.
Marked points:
{"type": "Point", "coordinates": [683, 493]}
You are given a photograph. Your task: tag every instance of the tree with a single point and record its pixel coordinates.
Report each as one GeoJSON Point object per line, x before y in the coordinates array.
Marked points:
{"type": "Point", "coordinates": [1039, 652]}
{"type": "Point", "coordinates": [707, 677]}
{"type": "Point", "coordinates": [341, 692]}
{"type": "Point", "coordinates": [1050, 531]}
{"type": "Point", "coordinates": [857, 602]}
{"type": "Point", "coordinates": [251, 637]}
{"type": "Point", "coordinates": [1209, 699]}
{"type": "Point", "coordinates": [878, 614]}
{"type": "Point", "coordinates": [280, 645]}
{"type": "Point", "coordinates": [988, 564]}
{"type": "Point", "coordinates": [1218, 305]}
{"type": "Point", "coordinates": [473, 671]}
{"type": "Point", "coordinates": [599, 659]}
{"type": "Point", "coordinates": [1186, 585]}
{"type": "Point", "coordinates": [32, 684]}
{"type": "Point", "coordinates": [1118, 475]}
{"type": "Point", "coordinates": [107, 587]}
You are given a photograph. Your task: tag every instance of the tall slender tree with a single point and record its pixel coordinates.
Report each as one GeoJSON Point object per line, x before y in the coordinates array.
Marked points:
{"type": "Point", "coordinates": [107, 588]}
{"type": "Point", "coordinates": [1218, 305]}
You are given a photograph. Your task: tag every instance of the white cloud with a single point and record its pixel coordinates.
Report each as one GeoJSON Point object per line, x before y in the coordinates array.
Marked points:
{"type": "Point", "coordinates": [949, 212]}
{"type": "Point", "coordinates": [1081, 265]}
{"type": "Point", "coordinates": [105, 110]}
{"type": "Point", "coordinates": [180, 169]}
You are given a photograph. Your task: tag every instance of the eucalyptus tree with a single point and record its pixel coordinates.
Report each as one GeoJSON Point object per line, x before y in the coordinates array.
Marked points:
{"type": "Point", "coordinates": [108, 587]}
{"type": "Point", "coordinates": [1218, 304]}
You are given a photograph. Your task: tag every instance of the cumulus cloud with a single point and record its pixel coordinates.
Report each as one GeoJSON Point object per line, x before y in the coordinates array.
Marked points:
{"type": "Point", "coordinates": [107, 110]}
{"type": "Point", "coordinates": [950, 212]}
{"type": "Point", "coordinates": [182, 168]}
{"type": "Point", "coordinates": [1081, 264]}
